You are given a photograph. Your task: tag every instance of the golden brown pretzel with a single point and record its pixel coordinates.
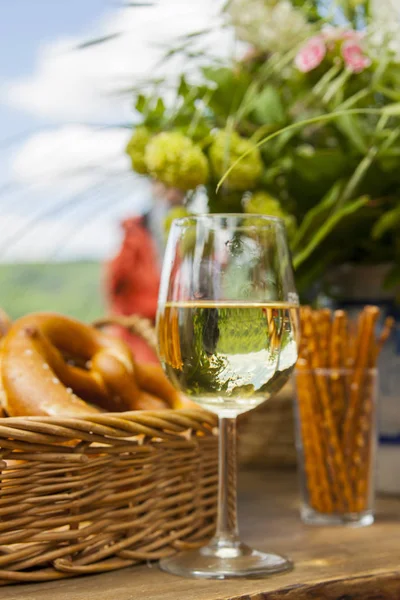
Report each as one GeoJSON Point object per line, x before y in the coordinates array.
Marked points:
{"type": "Point", "coordinates": [38, 379]}
{"type": "Point", "coordinates": [5, 324]}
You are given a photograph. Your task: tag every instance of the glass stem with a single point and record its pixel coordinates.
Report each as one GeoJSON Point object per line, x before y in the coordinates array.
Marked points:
{"type": "Point", "coordinates": [227, 533]}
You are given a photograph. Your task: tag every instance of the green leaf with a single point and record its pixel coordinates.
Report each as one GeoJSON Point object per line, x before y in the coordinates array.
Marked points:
{"type": "Point", "coordinates": [388, 92]}
{"type": "Point", "coordinates": [392, 110]}
{"type": "Point", "coordinates": [332, 116]}
{"type": "Point", "coordinates": [230, 88]}
{"type": "Point", "coordinates": [195, 34]}
{"type": "Point", "coordinates": [313, 270]}
{"type": "Point", "coordinates": [389, 220]}
{"type": "Point", "coordinates": [159, 108]}
{"type": "Point", "coordinates": [327, 227]}
{"type": "Point", "coordinates": [183, 88]}
{"type": "Point", "coordinates": [325, 164]}
{"type": "Point", "coordinates": [95, 42]}
{"type": "Point", "coordinates": [336, 85]}
{"type": "Point", "coordinates": [141, 103]}
{"type": "Point", "coordinates": [267, 107]}
{"type": "Point", "coordinates": [384, 60]}
{"type": "Point", "coordinates": [321, 85]}
{"type": "Point", "coordinates": [349, 126]}
{"type": "Point", "coordinates": [154, 114]}
{"type": "Point", "coordinates": [317, 215]}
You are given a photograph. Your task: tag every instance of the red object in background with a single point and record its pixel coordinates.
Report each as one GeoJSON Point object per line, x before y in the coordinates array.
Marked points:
{"type": "Point", "coordinates": [133, 279]}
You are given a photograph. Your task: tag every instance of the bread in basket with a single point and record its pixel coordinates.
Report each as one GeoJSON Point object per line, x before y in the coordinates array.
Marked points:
{"type": "Point", "coordinates": [100, 491]}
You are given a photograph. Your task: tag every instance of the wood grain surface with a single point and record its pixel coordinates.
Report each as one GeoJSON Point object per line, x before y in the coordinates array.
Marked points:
{"type": "Point", "coordinates": [330, 563]}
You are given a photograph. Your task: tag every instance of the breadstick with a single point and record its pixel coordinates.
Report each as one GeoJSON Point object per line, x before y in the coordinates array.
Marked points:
{"type": "Point", "coordinates": [323, 324]}
{"type": "Point", "coordinates": [338, 410]}
{"type": "Point", "coordinates": [314, 463]}
{"type": "Point", "coordinates": [364, 441]}
{"type": "Point", "coordinates": [336, 364]}
{"type": "Point", "coordinates": [316, 411]}
{"type": "Point", "coordinates": [351, 428]}
{"type": "Point", "coordinates": [336, 462]}
{"type": "Point", "coordinates": [366, 422]}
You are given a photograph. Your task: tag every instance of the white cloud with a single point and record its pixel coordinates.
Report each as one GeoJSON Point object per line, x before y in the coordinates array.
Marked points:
{"type": "Point", "coordinates": [84, 234]}
{"type": "Point", "coordinates": [43, 240]}
{"type": "Point", "coordinates": [75, 179]}
{"type": "Point", "coordinates": [75, 184]}
{"type": "Point", "coordinates": [76, 155]}
{"type": "Point", "coordinates": [80, 84]}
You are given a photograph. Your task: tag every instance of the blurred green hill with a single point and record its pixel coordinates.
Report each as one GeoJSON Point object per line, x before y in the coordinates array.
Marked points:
{"type": "Point", "coordinates": [71, 288]}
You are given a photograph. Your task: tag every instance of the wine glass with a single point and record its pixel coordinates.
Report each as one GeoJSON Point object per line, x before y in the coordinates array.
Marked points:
{"type": "Point", "coordinates": [227, 328]}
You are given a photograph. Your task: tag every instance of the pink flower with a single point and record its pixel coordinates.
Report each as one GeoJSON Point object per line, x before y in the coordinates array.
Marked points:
{"type": "Point", "coordinates": [311, 55]}
{"type": "Point", "coordinates": [354, 56]}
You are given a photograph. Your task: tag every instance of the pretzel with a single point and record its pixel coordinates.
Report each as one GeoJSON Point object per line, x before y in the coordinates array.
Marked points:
{"type": "Point", "coordinates": [56, 366]}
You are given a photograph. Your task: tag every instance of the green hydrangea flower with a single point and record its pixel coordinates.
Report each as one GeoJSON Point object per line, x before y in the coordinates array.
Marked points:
{"type": "Point", "coordinates": [262, 203]}
{"type": "Point", "coordinates": [226, 148]}
{"type": "Point", "coordinates": [174, 159]}
{"type": "Point", "coordinates": [136, 149]}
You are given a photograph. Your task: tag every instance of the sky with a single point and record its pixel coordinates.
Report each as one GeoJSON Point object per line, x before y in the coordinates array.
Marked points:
{"type": "Point", "coordinates": [65, 181]}
{"type": "Point", "coordinates": [25, 27]}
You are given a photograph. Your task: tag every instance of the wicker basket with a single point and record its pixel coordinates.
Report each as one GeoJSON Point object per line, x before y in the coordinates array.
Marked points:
{"type": "Point", "coordinates": [94, 494]}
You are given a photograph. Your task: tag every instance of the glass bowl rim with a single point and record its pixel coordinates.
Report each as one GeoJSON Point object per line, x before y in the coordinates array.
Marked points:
{"type": "Point", "coordinates": [210, 216]}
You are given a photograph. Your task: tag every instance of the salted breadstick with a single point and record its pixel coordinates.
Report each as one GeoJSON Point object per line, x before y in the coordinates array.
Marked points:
{"type": "Point", "coordinates": [362, 470]}
{"type": "Point", "coordinates": [324, 317]}
{"type": "Point", "coordinates": [336, 364]}
{"type": "Point", "coordinates": [310, 413]}
{"type": "Point", "coordinates": [351, 427]}
{"type": "Point", "coordinates": [317, 478]}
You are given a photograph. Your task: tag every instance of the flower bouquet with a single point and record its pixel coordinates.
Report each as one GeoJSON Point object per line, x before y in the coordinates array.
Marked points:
{"type": "Point", "coordinates": [302, 123]}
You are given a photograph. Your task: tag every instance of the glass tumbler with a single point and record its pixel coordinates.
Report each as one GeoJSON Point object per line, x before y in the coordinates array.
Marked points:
{"type": "Point", "coordinates": [336, 444]}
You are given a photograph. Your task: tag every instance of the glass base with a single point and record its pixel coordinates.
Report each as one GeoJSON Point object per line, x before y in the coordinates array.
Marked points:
{"type": "Point", "coordinates": [224, 562]}
{"type": "Point", "coordinates": [313, 517]}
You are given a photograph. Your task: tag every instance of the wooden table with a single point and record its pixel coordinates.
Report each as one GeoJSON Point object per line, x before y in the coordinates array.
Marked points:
{"type": "Point", "coordinates": [330, 563]}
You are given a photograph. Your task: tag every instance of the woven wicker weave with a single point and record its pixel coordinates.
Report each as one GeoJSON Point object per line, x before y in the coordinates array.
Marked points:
{"type": "Point", "coordinates": [88, 495]}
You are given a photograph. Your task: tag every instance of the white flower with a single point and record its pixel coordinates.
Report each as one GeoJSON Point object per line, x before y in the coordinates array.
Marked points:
{"type": "Point", "coordinates": [385, 29]}
{"type": "Point", "coordinates": [269, 25]}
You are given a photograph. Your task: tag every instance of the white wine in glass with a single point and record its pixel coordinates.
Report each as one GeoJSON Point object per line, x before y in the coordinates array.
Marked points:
{"type": "Point", "coordinates": [227, 328]}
